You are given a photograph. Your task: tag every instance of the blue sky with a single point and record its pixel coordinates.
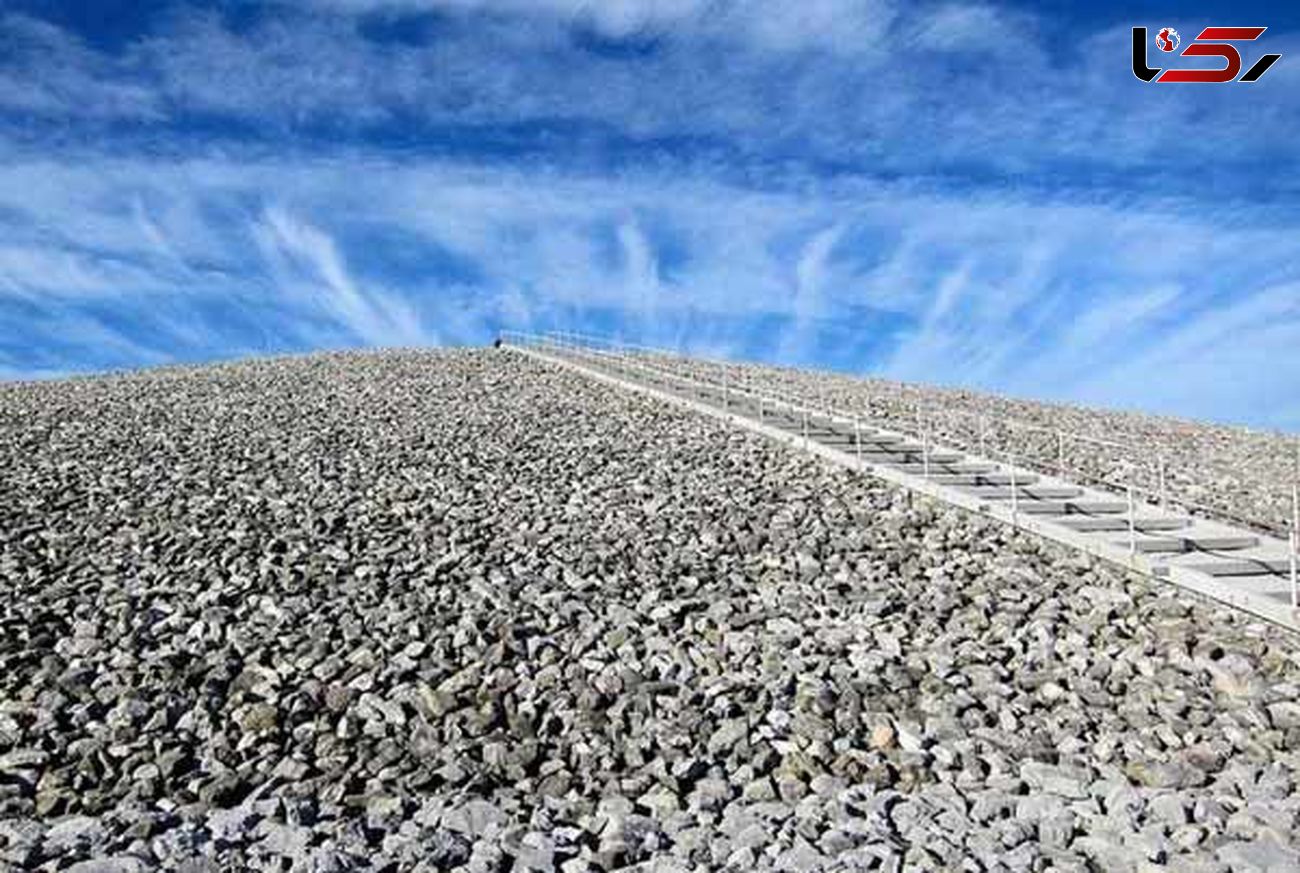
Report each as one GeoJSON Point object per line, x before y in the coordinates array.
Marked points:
{"type": "Point", "coordinates": [965, 193]}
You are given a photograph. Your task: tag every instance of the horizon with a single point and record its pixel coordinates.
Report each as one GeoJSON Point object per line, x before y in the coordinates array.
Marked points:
{"type": "Point", "coordinates": [978, 196]}
{"type": "Point", "coordinates": [258, 357]}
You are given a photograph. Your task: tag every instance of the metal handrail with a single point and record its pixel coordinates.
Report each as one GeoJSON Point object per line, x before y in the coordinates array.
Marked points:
{"type": "Point", "coordinates": [1131, 454]}
{"type": "Point", "coordinates": [572, 341]}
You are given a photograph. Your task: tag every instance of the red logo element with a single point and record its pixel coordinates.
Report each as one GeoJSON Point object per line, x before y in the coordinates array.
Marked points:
{"type": "Point", "coordinates": [1167, 40]}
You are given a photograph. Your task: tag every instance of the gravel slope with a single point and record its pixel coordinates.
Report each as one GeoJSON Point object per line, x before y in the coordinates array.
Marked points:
{"type": "Point", "coordinates": [426, 610]}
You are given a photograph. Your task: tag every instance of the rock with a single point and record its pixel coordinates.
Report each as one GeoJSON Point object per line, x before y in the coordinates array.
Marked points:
{"type": "Point", "coordinates": [119, 864]}
{"type": "Point", "coordinates": [711, 794]}
{"type": "Point", "coordinates": [22, 760]}
{"type": "Point", "coordinates": [1057, 830]}
{"type": "Point", "coordinates": [224, 790]}
{"type": "Point", "coordinates": [800, 858]}
{"type": "Point", "coordinates": [910, 738]}
{"type": "Point", "coordinates": [74, 833]}
{"type": "Point", "coordinates": [1187, 837]}
{"type": "Point", "coordinates": [1065, 782]}
{"type": "Point", "coordinates": [1106, 854]}
{"type": "Point", "coordinates": [1157, 774]}
{"type": "Point", "coordinates": [753, 836]}
{"type": "Point", "coordinates": [726, 736]}
{"type": "Point", "coordinates": [660, 801]}
{"type": "Point", "coordinates": [1285, 715]}
{"type": "Point", "coordinates": [1170, 810]}
{"type": "Point", "coordinates": [258, 717]}
{"type": "Point", "coordinates": [1263, 855]}
{"type": "Point", "coordinates": [475, 817]}
{"type": "Point", "coordinates": [383, 811]}
{"type": "Point", "coordinates": [286, 841]}
{"type": "Point", "coordinates": [233, 825]}
{"type": "Point", "coordinates": [536, 852]}
{"type": "Point", "coordinates": [882, 736]}
{"type": "Point", "coordinates": [790, 788]}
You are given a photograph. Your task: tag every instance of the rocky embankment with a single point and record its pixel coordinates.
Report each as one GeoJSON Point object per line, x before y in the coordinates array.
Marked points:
{"type": "Point", "coordinates": [424, 611]}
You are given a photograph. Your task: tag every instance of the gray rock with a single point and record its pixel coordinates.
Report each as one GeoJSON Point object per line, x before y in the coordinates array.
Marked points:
{"type": "Point", "coordinates": [1264, 855]}
{"type": "Point", "coordinates": [536, 852]}
{"type": "Point", "coordinates": [118, 864]}
{"type": "Point", "coordinates": [1056, 831]}
{"type": "Point", "coordinates": [1068, 782]}
{"type": "Point", "coordinates": [1170, 810]}
{"type": "Point", "coordinates": [74, 832]}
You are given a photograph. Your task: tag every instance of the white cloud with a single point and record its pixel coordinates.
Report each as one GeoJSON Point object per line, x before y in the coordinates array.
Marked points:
{"type": "Point", "coordinates": [48, 271]}
{"type": "Point", "coordinates": [641, 272]}
{"type": "Point", "coordinates": [975, 27]}
{"type": "Point", "coordinates": [307, 265]}
{"type": "Point", "coordinates": [1232, 362]}
{"type": "Point", "coordinates": [810, 287]}
{"type": "Point", "coordinates": [847, 26]}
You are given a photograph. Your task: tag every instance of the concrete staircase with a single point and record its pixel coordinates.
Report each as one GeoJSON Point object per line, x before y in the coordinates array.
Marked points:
{"type": "Point", "coordinates": [1245, 569]}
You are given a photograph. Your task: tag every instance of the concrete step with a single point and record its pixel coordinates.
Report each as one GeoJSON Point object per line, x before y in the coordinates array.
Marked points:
{"type": "Point", "coordinates": [1073, 507]}
{"type": "Point", "coordinates": [846, 441]}
{"type": "Point", "coordinates": [1033, 492]}
{"type": "Point", "coordinates": [1176, 545]}
{"type": "Point", "coordinates": [1086, 525]}
{"type": "Point", "coordinates": [888, 459]}
{"type": "Point", "coordinates": [882, 453]}
{"type": "Point", "coordinates": [951, 467]}
{"type": "Point", "coordinates": [946, 478]}
{"type": "Point", "coordinates": [1260, 567]}
{"type": "Point", "coordinates": [914, 454]}
{"type": "Point", "coordinates": [837, 432]}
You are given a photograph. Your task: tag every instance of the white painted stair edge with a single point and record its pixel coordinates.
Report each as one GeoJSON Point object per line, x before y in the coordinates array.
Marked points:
{"type": "Point", "coordinates": [1223, 590]}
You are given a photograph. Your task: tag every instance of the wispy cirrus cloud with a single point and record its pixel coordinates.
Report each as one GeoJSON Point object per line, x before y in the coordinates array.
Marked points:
{"type": "Point", "coordinates": [307, 266]}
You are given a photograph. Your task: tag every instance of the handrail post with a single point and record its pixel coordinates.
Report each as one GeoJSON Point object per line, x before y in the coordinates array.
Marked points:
{"type": "Point", "coordinates": [1015, 496]}
{"type": "Point", "coordinates": [1132, 526]}
{"type": "Point", "coordinates": [925, 453]}
{"type": "Point", "coordinates": [1295, 545]}
{"type": "Point", "coordinates": [1164, 493]}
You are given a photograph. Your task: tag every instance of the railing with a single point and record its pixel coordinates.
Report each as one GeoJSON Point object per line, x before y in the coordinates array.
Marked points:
{"type": "Point", "coordinates": [982, 434]}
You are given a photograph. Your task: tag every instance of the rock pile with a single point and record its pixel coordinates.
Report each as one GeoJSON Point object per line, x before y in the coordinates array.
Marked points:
{"type": "Point", "coordinates": [425, 611]}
